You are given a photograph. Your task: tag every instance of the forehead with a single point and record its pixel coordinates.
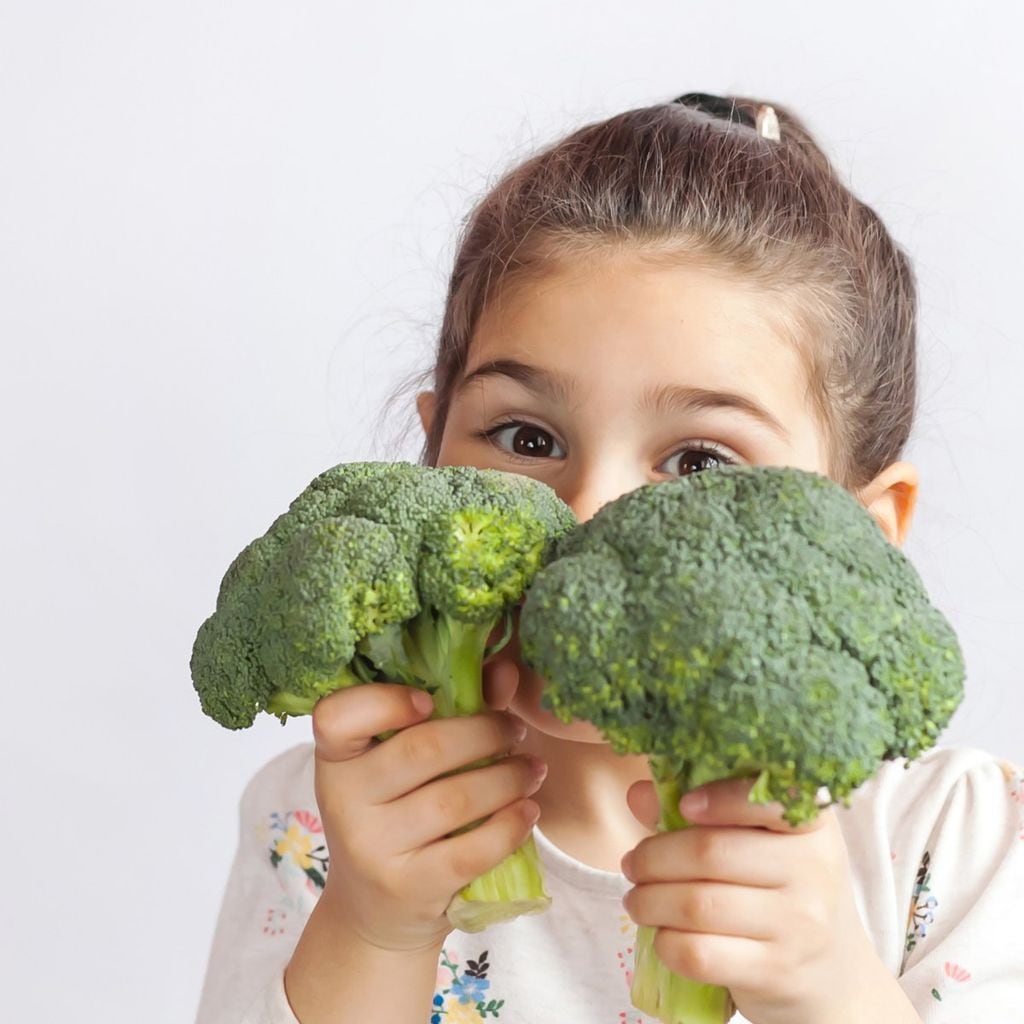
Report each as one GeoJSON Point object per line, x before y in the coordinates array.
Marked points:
{"type": "Point", "coordinates": [621, 320]}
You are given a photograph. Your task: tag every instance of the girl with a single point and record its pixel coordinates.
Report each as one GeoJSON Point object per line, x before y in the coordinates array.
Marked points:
{"type": "Point", "coordinates": [680, 287]}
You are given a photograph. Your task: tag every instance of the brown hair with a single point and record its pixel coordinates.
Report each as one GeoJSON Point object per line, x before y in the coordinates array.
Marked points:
{"type": "Point", "coordinates": [690, 182]}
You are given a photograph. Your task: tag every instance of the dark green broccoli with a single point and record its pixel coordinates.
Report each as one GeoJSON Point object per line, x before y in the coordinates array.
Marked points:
{"type": "Point", "coordinates": [384, 572]}
{"type": "Point", "coordinates": [741, 622]}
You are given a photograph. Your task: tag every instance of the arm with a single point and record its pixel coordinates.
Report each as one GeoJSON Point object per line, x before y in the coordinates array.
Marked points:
{"type": "Point", "coordinates": [335, 977]}
{"type": "Point", "coordinates": [877, 996]}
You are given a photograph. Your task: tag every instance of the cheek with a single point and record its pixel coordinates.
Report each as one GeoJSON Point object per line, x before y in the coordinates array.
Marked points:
{"type": "Point", "coordinates": [527, 706]}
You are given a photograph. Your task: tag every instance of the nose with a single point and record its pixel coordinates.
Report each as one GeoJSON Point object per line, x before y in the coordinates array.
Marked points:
{"type": "Point", "coordinates": [594, 487]}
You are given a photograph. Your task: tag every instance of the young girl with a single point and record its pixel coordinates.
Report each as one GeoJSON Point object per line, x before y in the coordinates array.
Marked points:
{"type": "Point", "coordinates": [680, 287]}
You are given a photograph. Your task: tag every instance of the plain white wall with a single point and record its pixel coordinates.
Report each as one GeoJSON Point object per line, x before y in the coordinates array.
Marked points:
{"type": "Point", "coordinates": [225, 231]}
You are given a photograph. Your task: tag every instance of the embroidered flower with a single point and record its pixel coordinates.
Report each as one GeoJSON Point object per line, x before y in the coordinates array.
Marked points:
{"type": "Point", "coordinates": [922, 906]}
{"type": "Point", "coordinates": [297, 846]}
{"type": "Point", "coordinates": [309, 821]}
{"type": "Point", "coordinates": [470, 989]}
{"type": "Point", "coordinates": [296, 843]}
{"type": "Point", "coordinates": [461, 1013]}
{"type": "Point", "coordinates": [447, 971]}
{"type": "Point", "coordinates": [298, 855]}
{"type": "Point", "coordinates": [461, 996]}
{"type": "Point", "coordinates": [956, 972]}
{"type": "Point", "coordinates": [955, 975]}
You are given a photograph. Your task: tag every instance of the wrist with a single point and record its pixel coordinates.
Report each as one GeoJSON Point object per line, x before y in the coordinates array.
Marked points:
{"type": "Point", "coordinates": [866, 993]}
{"type": "Point", "coordinates": [337, 975]}
{"type": "Point", "coordinates": [335, 913]}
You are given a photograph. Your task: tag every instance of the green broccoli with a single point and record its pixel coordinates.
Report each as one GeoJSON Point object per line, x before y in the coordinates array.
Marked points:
{"type": "Point", "coordinates": [382, 571]}
{"type": "Point", "coordinates": [740, 622]}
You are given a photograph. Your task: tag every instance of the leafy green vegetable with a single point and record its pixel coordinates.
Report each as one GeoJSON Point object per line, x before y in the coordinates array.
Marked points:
{"type": "Point", "coordinates": [384, 572]}
{"type": "Point", "coordinates": [740, 622]}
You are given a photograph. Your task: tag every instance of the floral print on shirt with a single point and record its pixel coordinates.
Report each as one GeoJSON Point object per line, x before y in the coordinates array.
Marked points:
{"type": "Point", "coordinates": [922, 905]}
{"type": "Point", "coordinates": [462, 995]}
{"type": "Point", "coordinates": [1014, 777]}
{"type": "Point", "coordinates": [953, 976]}
{"type": "Point", "coordinates": [298, 853]}
{"type": "Point", "coordinates": [626, 958]}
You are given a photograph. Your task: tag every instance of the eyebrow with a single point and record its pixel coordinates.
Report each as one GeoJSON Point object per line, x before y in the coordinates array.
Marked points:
{"type": "Point", "coordinates": [664, 398]}
{"type": "Point", "coordinates": [547, 383]}
{"type": "Point", "coordinates": [675, 397]}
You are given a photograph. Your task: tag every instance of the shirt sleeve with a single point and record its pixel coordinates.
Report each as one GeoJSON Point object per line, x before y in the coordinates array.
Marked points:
{"type": "Point", "coordinates": [274, 883]}
{"type": "Point", "coordinates": [964, 952]}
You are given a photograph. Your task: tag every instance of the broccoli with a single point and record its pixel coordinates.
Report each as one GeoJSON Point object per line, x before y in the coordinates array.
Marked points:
{"type": "Point", "coordinates": [384, 571]}
{"type": "Point", "coordinates": [740, 622]}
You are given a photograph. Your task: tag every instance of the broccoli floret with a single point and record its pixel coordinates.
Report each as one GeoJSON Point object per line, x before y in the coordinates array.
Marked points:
{"type": "Point", "coordinates": [336, 582]}
{"type": "Point", "coordinates": [740, 622]}
{"type": "Point", "coordinates": [382, 571]}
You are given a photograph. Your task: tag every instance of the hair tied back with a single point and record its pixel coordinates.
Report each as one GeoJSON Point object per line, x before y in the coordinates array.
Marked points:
{"type": "Point", "coordinates": [765, 123]}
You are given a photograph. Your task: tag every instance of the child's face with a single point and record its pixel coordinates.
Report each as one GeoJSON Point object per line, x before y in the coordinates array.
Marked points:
{"type": "Point", "coordinates": [602, 380]}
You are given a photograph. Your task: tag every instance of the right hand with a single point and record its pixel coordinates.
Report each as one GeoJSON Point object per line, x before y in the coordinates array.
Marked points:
{"type": "Point", "coordinates": [386, 814]}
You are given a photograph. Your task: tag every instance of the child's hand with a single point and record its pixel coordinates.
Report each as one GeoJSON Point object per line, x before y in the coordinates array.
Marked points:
{"type": "Point", "coordinates": [746, 901]}
{"type": "Point", "coordinates": [386, 813]}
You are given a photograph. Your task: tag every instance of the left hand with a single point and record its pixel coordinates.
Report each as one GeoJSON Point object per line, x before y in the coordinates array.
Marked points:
{"type": "Point", "coordinates": [746, 901]}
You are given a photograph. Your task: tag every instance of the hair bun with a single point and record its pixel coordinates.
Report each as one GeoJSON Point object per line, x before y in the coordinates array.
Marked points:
{"type": "Point", "coordinates": [717, 106]}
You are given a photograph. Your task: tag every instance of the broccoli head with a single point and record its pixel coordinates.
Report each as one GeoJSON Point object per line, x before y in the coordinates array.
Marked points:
{"type": "Point", "coordinates": [748, 621]}
{"type": "Point", "coordinates": [383, 572]}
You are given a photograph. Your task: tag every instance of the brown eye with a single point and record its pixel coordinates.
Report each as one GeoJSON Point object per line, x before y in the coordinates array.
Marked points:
{"type": "Point", "coordinates": [526, 440]}
{"type": "Point", "coordinates": [694, 460]}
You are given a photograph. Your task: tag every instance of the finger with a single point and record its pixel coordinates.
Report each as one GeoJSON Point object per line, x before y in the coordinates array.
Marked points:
{"type": "Point", "coordinates": [457, 861]}
{"type": "Point", "coordinates": [729, 961]}
{"type": "Point", "coordinates": [715, 907]}
{"type": "Point", "coordinates": [728, 803]}
{"type": "Point", "coordinates": [740, 855]}
{"type": "Point", "coordinates": [643, 802]}
{"type": "Point", "coordinates": [420, 754]}
{"type": "Point", "coordinates": [435, 810]}
{"type": "Point", "coordinates": [501, 680]}
{"type": "Point", "coordinates": [346, 722]}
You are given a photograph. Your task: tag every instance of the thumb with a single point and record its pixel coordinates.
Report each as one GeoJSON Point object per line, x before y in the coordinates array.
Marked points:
{"type": "Point", "coordinates": [643, 802]}
{"type": "Point", "coordinates": [346, 722]}
{"type": "Point", "coordinates": [501, 680]}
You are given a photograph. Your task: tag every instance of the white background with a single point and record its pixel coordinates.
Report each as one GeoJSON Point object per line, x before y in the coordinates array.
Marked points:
{"type": "Point", "coordinates": [225, 232]}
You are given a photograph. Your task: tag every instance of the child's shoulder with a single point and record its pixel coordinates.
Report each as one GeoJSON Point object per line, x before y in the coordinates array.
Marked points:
{"type": "Point", "coordinates": [286, 780]}
{"type": "Point", "coordinates": [944, 790]}
{"type": "Point", "coordinates": [938, 772]}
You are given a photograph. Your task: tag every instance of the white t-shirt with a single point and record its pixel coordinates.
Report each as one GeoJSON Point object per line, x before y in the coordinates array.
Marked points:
{"type": "Point", "coordinates": [937, 853]}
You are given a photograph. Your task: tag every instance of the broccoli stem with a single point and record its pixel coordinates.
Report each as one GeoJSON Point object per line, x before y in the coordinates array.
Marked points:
{"type": "Point", "coordinates": [656, 990]}
{"type": "Point", "coordinates": [448, 655]}
{"type": "Point", "coordinates": [511, 889]}
{"type": "Point", "coordinates": [462, 688]}
{"type": "Point", "coordinates": [670, 997]}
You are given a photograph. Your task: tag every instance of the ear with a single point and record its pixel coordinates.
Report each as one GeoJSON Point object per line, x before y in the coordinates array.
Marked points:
{"type": "Point", "coordinates": [891, 498]}
{"type": "Point", "coordinates": [426, 406]}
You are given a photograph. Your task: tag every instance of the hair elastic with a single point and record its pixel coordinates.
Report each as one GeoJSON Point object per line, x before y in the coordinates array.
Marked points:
{"type": "Point", "coordinates": [768, 123]}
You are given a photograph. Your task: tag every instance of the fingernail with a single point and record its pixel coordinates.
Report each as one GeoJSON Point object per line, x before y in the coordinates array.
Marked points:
{"type": "Point", "coordinates": [422, 701]}
{"type": "Point", "coordinates": [540, 770]}
{"type": "Point", "coordinates": [531, 812]}
{"type": "Point", "coordinates": [520, 730]}
{"type": "Point", "coordinates": [694, 803]}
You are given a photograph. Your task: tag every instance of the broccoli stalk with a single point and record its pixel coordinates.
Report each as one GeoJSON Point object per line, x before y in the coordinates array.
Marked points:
{"type": "Point", "coordinates": [656, 989]}
{"type": "Point", "coordinates": [443, 655]}
{"type": "Point", "coordinates": [745, 622]}
{"type": "Point", "coordinates": [385, 572]}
